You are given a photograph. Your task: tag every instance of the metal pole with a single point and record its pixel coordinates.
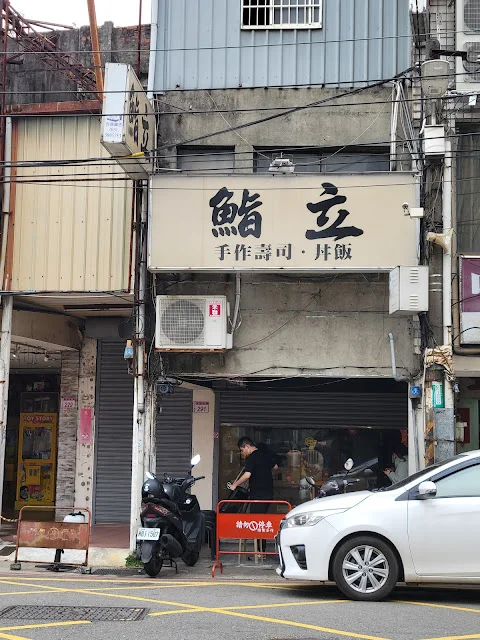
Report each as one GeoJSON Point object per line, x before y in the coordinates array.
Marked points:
{"type": "Point", "coordinates": [7, 304]}
{"type": "Point", "coordinates": [139, 426]}
{"type": "Point", "coordinates": [447, 255]}
{"type": "Point", "coordinates": [139, 38]}
{"type": "Point", "coordinates": [5, 342]}
{"type": "Point", "coordinates": [97, 60]}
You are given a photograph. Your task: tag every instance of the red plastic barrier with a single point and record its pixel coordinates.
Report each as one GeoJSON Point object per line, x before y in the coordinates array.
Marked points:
{"type": "Point", "coordinates": [246, 526]}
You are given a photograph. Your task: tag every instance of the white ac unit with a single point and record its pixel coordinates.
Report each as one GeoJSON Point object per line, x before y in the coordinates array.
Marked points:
{"type": "Point", "coordinates": [192, 323]}
{"type": "Point", "coordinates": [468, 39]}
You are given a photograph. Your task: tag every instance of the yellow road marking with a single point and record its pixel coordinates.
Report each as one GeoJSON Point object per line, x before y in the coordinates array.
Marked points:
{"type": "Point", "coordinates": [42, 625]}
{"type": "Point", "coordinates": [7, 636]}
{"type": "Point", "coordinates": [23, 593]}
{"type": "Point", "coordinates": [199, 609]}
{"type": "Point", "coordinates": [252, 606]}
{"type": "Point", "coordinates": [456, 637]}
{"type": "Point", "coordinates": [283, 604]}
{"type": "Point", "coordinates": [439, 606]}
{"type": "Point", "coordinates": [300, 625]}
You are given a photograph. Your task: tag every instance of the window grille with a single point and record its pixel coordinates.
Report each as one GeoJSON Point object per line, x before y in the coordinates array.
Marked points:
{"type": "Point", "coordinates": [282, 14]}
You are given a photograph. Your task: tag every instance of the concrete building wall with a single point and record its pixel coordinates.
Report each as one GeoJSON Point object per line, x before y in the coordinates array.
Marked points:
{"type": "Point", "coordinates": [319, 326]}
{"type": "Point", "coordinates": [203, 443]}
{"type": "Point", "coordinates": [31, 82]}
{"type": "Point", "coordinates": [85, 459]}
{"type": "Point", "coordinates": [67, 431]}
{"type": "Point", "coordinates": [364, 119]}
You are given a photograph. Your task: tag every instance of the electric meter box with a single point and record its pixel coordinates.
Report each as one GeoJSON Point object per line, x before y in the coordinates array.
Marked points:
{"type": "Point", "coordinates": [408, 291]}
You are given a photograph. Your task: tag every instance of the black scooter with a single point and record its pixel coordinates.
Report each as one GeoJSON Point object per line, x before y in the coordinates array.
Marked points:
{"type": "Point", "coordinates": [172, 524]}
{"type": "Point", "coordinates": [335, 486]}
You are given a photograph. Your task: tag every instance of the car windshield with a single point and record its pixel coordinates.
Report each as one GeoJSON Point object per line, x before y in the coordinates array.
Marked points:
{"type": "Point", "coordinates": [419, 474]}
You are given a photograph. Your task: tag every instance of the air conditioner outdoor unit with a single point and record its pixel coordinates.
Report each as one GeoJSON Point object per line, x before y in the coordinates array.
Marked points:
{"type": "Point", "coordinates": [192, 323]}
{"type": "Point", "coordinates": [468, 39]}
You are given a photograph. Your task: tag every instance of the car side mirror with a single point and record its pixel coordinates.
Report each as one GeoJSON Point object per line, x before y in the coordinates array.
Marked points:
{"type": "Point", "coordinates": [426, 490]}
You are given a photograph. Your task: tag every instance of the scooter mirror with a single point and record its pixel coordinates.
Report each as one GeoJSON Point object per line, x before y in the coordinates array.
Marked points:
{"type": "Point", "coordinates": [195, 460]}
{"type": "Point", "coordinates": [310, 480]}
{"type": "Point", "coordinates": [348, 464]}
{"type": "Point", "coordinates": [149, 475]}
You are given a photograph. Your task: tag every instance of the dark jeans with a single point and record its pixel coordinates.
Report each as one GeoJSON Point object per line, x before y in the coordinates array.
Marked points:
{"type": "Point", "coordinates": [260, 507]}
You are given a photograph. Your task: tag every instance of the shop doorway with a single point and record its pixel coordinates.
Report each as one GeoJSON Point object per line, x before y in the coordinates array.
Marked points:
{"type": "Point", "coordinates": [313, 432]}
{"type": "Point", "coordinates": [31, 442]}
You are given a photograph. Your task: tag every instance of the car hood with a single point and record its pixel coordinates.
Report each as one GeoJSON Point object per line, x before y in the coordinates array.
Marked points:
{"type": "Point", "coordinates": [332, 503]}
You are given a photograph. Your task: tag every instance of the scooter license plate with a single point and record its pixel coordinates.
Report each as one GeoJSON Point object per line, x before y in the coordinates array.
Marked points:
{"type": "Point", "coordinates": [148, 534]}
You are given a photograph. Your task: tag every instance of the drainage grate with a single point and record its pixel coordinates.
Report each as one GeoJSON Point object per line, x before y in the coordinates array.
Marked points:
{"type": "Point", "coordinates": [60, 614]}
{"type": "Point", "coordinates": [6, 551]}
{"type": "Point", "coordinates": [118, 572]}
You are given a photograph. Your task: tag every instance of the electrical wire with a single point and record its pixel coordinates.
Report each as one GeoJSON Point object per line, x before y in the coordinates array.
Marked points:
{"type": "Point", "coordinates": [445, 34]}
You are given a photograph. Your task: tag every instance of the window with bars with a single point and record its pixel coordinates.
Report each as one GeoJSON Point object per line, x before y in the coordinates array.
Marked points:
{"type": "Point", "coordinates": [282, 14]}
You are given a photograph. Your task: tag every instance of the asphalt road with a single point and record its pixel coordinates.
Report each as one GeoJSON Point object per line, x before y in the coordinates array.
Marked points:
{"type": "Point", "coordinates": [179, 609]}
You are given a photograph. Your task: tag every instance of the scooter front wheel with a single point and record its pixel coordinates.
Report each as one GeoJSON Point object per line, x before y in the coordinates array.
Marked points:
{"type": "Point", "coordinates": [153, 566]}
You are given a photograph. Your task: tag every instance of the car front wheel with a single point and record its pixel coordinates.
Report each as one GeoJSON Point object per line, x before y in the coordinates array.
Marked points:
{"type": "Point", "coordinates": [365, 568]}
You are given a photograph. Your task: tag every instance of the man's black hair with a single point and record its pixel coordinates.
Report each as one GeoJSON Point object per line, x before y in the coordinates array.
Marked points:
{"type": "Point", "coordinates": [243, 441]}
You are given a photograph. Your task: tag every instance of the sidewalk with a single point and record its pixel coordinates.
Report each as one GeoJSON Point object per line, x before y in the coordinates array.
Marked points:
{"type": "Point", "coordinates": [109, 548]}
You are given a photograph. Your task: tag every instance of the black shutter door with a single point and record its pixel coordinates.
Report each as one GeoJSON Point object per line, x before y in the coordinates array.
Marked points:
{"type": "Point", "coordinates": [174, 433]}
{"type": "Point", "coordinates": [114, 420]}
{"type": "Point", "coordinates": [313, 410]}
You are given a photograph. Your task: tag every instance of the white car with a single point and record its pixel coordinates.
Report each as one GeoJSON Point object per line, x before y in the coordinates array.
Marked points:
{"type": "Point", "coordinates": [425, 529]}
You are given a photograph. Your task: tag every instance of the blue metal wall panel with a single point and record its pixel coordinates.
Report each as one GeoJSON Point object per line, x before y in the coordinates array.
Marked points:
{"type": "Point", "coordinates": [201, 45]}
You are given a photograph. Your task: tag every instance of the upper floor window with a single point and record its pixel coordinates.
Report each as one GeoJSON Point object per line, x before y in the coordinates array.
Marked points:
{"type": "Point", "coordinates": [282, 14]}
{"type": "Point", "coordinates": [346, 160]}
{"type": "Point", "coordinates": [206, 159]}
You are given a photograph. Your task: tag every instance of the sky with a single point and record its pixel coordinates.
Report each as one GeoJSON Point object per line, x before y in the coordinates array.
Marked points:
{"type": "Point", "coordinates": [75, 12]}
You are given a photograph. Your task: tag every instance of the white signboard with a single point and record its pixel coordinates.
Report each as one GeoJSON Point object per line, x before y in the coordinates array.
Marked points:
{"type": "Point", "coordinates": [128, 120]}
{"type": "Point", "coordinates": [296, 223]}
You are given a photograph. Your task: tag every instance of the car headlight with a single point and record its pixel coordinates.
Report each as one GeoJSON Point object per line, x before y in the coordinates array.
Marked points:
{"type": "Point", "coordinates": [308, 519]}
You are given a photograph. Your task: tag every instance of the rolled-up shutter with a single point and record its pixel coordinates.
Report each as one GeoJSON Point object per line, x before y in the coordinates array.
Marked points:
{"type": "Point", "coordinates": [174, 433]}
{"type": "Point", "coordinates": [313, 410]}
{"type": "Point", "coordinates": [113, 440]}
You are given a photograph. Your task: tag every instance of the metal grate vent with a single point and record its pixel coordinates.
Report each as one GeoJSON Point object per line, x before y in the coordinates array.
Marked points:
{"type": "Point", "coordinates": [472, 66]}
{"type": "Point", "coordinates": [62, 614]}
{"type": "Point", "coordinates": [471, 15]}
{"type": "Point", "coordinates": [182, 322]}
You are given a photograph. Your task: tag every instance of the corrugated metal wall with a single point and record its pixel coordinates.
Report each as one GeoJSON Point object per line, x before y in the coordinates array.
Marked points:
{"type": "Point", "coordinates": [174, 433]}
{"type": "Point", "coordinates": [113, 435]}
{"type": "Point", "coordinates": [69, 237]}
{"type": "Point", "coordinates": [313, 410]}
{"type": "Point", "coordinates": [201, 45]}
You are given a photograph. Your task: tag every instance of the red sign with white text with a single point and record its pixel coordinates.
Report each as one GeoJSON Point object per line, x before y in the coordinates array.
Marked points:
{"type": "Point", "coordinates": [214, 310]}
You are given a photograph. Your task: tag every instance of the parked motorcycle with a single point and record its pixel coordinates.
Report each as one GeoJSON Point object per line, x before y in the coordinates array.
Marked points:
{"type": "Point", "coordinates": [172, 524]}
{"type": "Point", "coordinates": [337, 485]}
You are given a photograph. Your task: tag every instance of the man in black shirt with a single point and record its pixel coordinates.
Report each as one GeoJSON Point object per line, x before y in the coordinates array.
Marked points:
{"type": "Point", "coordinates": [258, 470]}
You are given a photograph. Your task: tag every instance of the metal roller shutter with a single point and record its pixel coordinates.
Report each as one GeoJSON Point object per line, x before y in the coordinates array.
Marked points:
{"type": "Point", "coordinates": [174, 433]}
{"type": "Point", "coordinates": [313, 410]}
{"type": "Point", "coordinates": [114, 419]}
